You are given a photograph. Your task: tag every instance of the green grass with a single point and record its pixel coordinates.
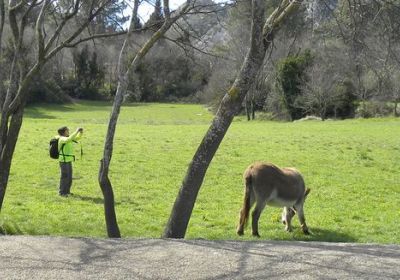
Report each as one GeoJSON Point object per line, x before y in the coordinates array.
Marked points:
{"type": "Point", "coordinates": [351, 166]}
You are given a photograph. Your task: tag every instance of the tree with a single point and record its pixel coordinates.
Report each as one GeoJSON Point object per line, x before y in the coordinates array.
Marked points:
{"type": "Point", "coordinates": [318, 91]}
{"type": "Point", "coordinates": [21, 74]}
{"type": "Point", "coordinates": [156, 18]}
{"type": "Point", "coordinates": [124, 71]}
{"type": "Point", "coordinates": [392, 85]}
{"type": "Point", "coordinates": [262, 33]}
{"type": "Point", "coordinates": [396, 93]}
{"type": "Point", "coordinates": [291, 72]}
{"type": "Point", "coordinates": [89, 74]}
{"type": "Point", "coordinates": [2, 20]}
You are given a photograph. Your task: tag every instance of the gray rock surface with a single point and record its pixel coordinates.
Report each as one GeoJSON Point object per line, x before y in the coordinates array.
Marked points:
{"type": "Point", "coordinates": [25, 257]}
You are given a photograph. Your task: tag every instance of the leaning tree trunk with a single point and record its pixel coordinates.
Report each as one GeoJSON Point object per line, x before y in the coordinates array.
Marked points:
{"type": "Point", "coordinates": [104, 181]}
{"type": "Point", "coordinates": [229, 107]}
{"type": "Point", "coordinates": [8, 151]}
{"type": "Point", "coordinates": [11, 122]}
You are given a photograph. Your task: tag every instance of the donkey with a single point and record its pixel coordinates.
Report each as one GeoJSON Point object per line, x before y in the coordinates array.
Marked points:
{"type": "Point", "coordinates": [267, 184]}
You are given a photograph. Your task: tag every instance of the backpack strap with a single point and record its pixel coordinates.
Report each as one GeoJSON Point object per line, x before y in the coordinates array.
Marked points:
{"type": "Point", "coordinates": [62, 152]}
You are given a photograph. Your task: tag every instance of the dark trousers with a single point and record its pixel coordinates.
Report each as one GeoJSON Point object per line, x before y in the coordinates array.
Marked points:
{"type": "Point", "coordinates": [66, 177]}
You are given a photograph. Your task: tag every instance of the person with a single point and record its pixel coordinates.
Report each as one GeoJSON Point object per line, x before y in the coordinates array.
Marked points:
{"type": "Point", "coordinates": [66, 157]}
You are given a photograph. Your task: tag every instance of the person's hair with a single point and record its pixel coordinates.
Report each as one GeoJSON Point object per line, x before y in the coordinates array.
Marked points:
{"type": "Point", "coordinates": [61, 130]}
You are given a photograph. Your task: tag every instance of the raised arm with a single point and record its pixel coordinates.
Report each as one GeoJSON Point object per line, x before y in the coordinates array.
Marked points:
{"type": "Point", "coordinates": [73, 136]}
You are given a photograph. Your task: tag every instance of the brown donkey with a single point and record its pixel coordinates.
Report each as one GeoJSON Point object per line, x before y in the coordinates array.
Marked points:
{"type": "Point", "coordinates": [267, 184]}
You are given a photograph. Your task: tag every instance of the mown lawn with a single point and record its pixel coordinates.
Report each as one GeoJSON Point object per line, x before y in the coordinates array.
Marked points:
{"type": "Point", "coordinates": [351, 166]}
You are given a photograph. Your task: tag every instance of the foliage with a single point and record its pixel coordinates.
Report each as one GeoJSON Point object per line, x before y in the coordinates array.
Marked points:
{"type": "Point", "coordinates": [343, 162]}
{"type": "Point", "coordinates": [290, 74]}
{"type": "Point", "coordinates": [373, 109]}
{"type": "Point", "coordinates": [167, 76]}
{"type": "Point", "coordinates": [47, 90]}
{"type": "Point", "coordinates": [89, 75]}
{"type": "Point", "coordinates": [111, 19]}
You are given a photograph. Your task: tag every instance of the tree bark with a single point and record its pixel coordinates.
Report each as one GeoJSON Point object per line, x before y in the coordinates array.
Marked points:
{"type": "Point", "coordinates": [248, 108]}
{"type": "Point", "coordinates": [253, 110]}
{"type": "Point", "coordinates": [230, 105]}
{"type": "Point", "coordinates": [8, 151]}
{"type": "Point", "coordinates": [2, 18]}
{"type": "Point", "coordinates": [104, 181]}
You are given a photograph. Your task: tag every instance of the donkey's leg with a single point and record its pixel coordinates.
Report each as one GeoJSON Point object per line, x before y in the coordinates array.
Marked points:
{"type": "Point", "coordinates": [255, 215]}
{"type": "Point", "coordinates": [302, 219]}
{"type": "Point", "coordinates": [287, 215]}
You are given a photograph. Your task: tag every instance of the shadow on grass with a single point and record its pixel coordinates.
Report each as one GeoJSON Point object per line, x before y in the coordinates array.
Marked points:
{"type": "Point", "coordinates": [95, 200]}
{"type": "Point", "coordinates": [100, 200]}
{"type": "Point", "coordinates": [37, 111]}
{"type": "Point", "coordinates": [318, 234]}
{"type": "Point", "coordinates": [34, 113]}
{"type": "Point", "coordinates": [10, 229]}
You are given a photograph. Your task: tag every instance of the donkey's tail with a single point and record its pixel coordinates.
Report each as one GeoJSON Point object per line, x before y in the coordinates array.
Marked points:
{"type": "Point", "coordinates": [306, 192]}
{"type": "Point", "coordinates": [244, 213]}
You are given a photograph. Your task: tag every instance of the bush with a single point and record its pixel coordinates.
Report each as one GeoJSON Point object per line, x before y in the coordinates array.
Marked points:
{"type": "Point", "coordinates": [372, 109]}
{"type": "Point", "coordinates": [291, 72]}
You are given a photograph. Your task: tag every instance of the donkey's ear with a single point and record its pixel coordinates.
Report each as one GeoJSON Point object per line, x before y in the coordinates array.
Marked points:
{"type": "Point", "coordinates": [307, 192]}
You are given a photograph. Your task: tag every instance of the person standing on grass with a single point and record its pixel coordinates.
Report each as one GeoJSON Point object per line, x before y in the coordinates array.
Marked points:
{"type": "Point", "coordinates": [66, 157]}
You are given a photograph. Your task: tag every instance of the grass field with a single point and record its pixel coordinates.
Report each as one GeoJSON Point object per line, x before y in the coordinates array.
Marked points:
{"type": "Point", "coordinates": [352, 167]}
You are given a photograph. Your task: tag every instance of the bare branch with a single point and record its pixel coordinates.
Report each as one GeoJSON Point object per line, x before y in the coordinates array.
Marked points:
{"type": "Point", "coordinates": [96, 36]}
{"type": "Point", "coordinates": [39, 31]}
{"type": "Point", "coordinates": [185, 45]}
{"type": "Point", "coordinates": [167, 14]}
{"type": "Point", "coordinates": [63, 44]}
{"type": "Point", "coordinates": [67, 17]}
{"type": "Point", "coordinates": [14, 6]}
{"type": "Point", "coordinates": [2, 19]}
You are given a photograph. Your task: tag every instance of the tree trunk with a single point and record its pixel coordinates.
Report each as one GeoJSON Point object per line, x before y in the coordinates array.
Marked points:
{"type": "Point", "coordinates": [2, 17]}
{"type": "Point", "coordinates": [248, 108]}
{"type": "Point", "coordinates": [253, 110]}
{"type": "Point", "coordinates": [11, 122]}
{"type": "Point", "coordinates": [8, 151]}
{"type": "Point", "coordinates": [104, 181]}
{"type": "Point", "coordinates": [229, 107]}
{"type": "Point", "coordinates": [123, 74]}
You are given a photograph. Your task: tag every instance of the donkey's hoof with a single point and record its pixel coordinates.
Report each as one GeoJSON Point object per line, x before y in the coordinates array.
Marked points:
{"type": "Point", "coordinates": [306, 231]}
{"type": "Point", "coordinates": [288, 229]}
{"type": "Point", "coordinates": [240, 232]}
{"type": "Point", "coordinates": [255, 234]}
{"type": "Point", "coordinates": [284, 222]}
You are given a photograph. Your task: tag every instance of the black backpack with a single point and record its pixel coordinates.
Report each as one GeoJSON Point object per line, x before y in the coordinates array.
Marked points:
{"type": "Point", "coordinates": [53, 148]}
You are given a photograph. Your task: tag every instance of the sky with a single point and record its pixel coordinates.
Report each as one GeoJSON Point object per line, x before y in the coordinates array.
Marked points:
{"type": "Point", "coordinates": [145, 9]}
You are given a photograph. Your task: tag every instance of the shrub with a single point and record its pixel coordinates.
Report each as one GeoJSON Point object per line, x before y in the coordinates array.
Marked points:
{"type": "Point", "coordinates": [371, 109]}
